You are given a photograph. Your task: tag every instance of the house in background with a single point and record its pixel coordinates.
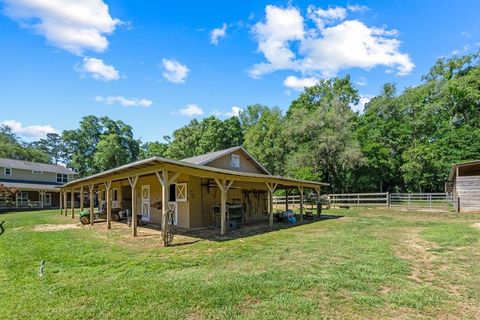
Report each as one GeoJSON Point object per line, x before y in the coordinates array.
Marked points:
{"type": "Point", "coordinates": [464, 183]}
{"type": "Point", "coordinates": [37, 184]}
{"type": "Point", "coordinates": [222, 189]}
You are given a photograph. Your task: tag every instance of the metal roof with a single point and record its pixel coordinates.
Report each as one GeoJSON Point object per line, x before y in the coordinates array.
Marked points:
{"type": "Point", "coordinates": [37, 166]}
{"type": "Point", "coordinates": [209, 157]}
{"type": "Point", "coordinates": [158, 160]}
{"type": "Point", "coordinates": [31, 186]}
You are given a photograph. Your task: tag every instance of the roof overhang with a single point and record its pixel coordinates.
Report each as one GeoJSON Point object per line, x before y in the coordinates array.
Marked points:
{"type": "Point", "coordinates": [461, 165]}
{"type": "Point", "coordinates": [156, 164]}
{"type": "Point", "coordinates": [31, 186]}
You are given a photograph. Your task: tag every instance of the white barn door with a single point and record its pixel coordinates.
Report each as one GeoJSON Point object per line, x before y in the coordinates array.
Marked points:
{"type": "Point", "coordinates": [145, 203]}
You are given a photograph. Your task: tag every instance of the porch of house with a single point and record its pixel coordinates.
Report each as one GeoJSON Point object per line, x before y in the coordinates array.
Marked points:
{"type": "Point", "coordinates": [32, 199]}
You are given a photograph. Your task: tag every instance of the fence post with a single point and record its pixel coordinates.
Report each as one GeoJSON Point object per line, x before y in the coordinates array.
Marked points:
{"type": "Point", "coordinates": [458, 204]}
{"type": "Point", "coordinates": [388, 200]}
{"type": "Point", "coordinates": [409, 201]}
{"type": "Point", "coordinates": [430, 200]}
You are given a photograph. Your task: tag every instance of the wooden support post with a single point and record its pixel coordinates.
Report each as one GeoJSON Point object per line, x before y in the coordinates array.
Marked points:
{"type": "Point", "coordinates": [16, 200]}
{"type": "Point", "coordinates": [91, 203]}
{"type": "Point", "coordinates": [271, 188]}
{"type": "Point", "coordinates": [300, 188]}
{"type": "Point", "coordinates": [108, 184]}
{"type": "Point", "coordinates": [319, 205]}
{"type": "Point", "coordinates": [223, 185]}
{"type": "Point", "coordinates": [65, 202]}
{"type": "Point", "coordinates": [40, 195]}
{"type": "Point", "coordinates": [286, 198]}
{"type": "Point", "coordinates": [388, 200]}
{"type": "Point", "coordinates": [61, 203]}
{"type": "Point", "coordinates": [163, 179]}
{"type": "Point", "coordinates": [133, 184]}
{"type": "Point", "coordinates": [81, 198]}
{"type": "Point", "coordinates": [72, 203]}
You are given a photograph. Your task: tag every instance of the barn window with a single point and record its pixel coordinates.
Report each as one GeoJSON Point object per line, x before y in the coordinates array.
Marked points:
{"type": "Point", "coordinates": [7, 171]}
{"type": "Point", "coordinates": [235, 161]}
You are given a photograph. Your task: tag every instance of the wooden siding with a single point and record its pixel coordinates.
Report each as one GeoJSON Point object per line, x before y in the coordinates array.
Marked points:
{"type": "Point", "coordinates": [467, 189]}
{"type": "Point", "coordinates": [246, 163]}
{"type": "Point", "coordinates": [203, 197]}
{"type": "Point", "coordinates": [28, 175]}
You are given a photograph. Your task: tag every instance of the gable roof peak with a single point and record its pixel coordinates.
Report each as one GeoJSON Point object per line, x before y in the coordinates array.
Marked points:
{"type": "Point", "coordinates": [209, 157]}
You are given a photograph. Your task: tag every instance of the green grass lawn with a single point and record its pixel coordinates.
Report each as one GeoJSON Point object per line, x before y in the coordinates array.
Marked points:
{"type": "Point", "coordinates": [368, 264]}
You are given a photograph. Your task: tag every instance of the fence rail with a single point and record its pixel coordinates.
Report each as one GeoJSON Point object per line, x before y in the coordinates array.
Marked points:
{"type": "Point", "coordinates": [411, 200]}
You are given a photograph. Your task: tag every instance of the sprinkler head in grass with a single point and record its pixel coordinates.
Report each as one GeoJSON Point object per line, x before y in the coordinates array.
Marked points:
{"type": "Point", "coordinates": [42, 268]}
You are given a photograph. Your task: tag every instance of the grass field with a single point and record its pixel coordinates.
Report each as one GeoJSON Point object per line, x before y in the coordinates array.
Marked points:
{"type": "Point", "coordinates": [367, 264]}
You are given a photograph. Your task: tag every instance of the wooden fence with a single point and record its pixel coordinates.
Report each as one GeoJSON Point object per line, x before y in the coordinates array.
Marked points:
{"type": "Point", "coordinates": [385, 199]}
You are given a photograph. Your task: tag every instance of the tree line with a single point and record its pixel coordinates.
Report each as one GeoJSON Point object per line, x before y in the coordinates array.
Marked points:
{"type": "Point", "coordinates": [403, 141]}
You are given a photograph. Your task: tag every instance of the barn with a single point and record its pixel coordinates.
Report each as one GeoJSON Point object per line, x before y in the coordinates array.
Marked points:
{"type": "Point", "coordinates": [220, 189]}
{"type": "Point", "coordinates": [464, 183]}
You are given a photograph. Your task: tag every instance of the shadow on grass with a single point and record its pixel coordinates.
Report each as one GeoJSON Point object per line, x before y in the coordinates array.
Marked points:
{"type": "Point", "coordinates": [248, 229]}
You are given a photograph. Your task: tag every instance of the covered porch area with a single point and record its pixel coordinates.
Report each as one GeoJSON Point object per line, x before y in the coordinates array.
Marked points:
{"type": "Point", "coordinates": [182, 196]}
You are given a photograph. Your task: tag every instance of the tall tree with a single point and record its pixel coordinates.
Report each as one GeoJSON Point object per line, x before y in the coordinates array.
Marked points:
{"type": "Point", "coordinates": [53, 146]}
{"type": "Point", "coordinates": [82, 145]}
{"type": "Point", "coordinates": [264, 139]}
{"type": "Point", "coordinates": [13, 147]}
{"type": "Point", "coordinates": [210, 134]}
{"type": "Point", "coordinates": [319, 133]}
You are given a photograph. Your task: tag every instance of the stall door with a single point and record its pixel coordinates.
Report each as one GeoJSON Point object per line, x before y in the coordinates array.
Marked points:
{"type": "Point", "coordinates": [146, 203]}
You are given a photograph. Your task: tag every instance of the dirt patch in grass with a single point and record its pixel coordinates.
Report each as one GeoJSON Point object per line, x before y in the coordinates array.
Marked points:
{"type": "Point", "coordinates": [418, 253]}
{"type": "Point", "coordinates": [476, 225]}
{"type": "Point", "coordinates": [54, 227]}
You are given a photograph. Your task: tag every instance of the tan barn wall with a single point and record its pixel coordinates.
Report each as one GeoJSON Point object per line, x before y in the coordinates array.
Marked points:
{"type": "Point", "coordinates": [205, 197]}
{"type": "Point", "coordinates": [246, 164]}
{"type": "Point", "coordinates": [468, 189]}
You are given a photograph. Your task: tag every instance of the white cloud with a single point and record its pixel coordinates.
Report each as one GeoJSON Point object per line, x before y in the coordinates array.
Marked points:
{"type": "Point", "coordinates": [360, 106]}
{"type": "Point", "coordinates": [322, 17]}
{"type": "Point", "coordinates": [273, 36]}
{"type": "Point", "coordinates": [74, 26]}
{"type": "Point", "coordinates": [357, 8]}
{"type": "Point", "coordinates": [299, 84]}
{"type": "Point", "coordinates": [234, 112]}
{"type": "Point", "coordinates": [362, 81]}
{"type": "Point", "coordinates": [97, 69]}
{"type": "Point", "coordinates": [35, 131]}
{"type": "Point", "coordinates": [333, 44]}
{"type": "Point", "coordinates": [174, 71]}
{"type": "Point", "coordinates": [218, 33]}
{"type": "Point", "coordinates": [131, 102]}
{"type": "Point", "coordinates": [191, 110]}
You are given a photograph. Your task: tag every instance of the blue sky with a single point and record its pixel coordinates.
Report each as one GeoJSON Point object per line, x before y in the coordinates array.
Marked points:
{"type": "Point", "coordinates": [156, 64]}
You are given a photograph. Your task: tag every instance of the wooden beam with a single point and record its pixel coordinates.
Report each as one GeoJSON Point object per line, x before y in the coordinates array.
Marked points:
{"type": "Point", "coordinates": [173, 179]}
{"type": "Point", "coordinates": [300, 188]}
{"type": "Point", "coordinates": [65, 202]}
{"type": "Point", "coordinates": [165, 197]}
{"type": "Point", "coordinates": [61, 203]}
{"type": "Point", "coordinates": [72, 203]}
{"type": "Point", "coordinates": [41, 196]}
{"type": "Point", "coordinates": [108, 184]}
{"type": "Point", "coordinates": [319, 206]}
{"type": "Point", "coordinates": [91, 202]}
{"type": "Point", "coordinates": [133, 184]}
{"type": "Point", "coordinates": [223, 207]}
{"type": "Point", "coordinates": [286, 198]}
{"type": "Point", "coordinates": [81, 198]}
{"type": "Point", "coordinates": [271, 188]}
